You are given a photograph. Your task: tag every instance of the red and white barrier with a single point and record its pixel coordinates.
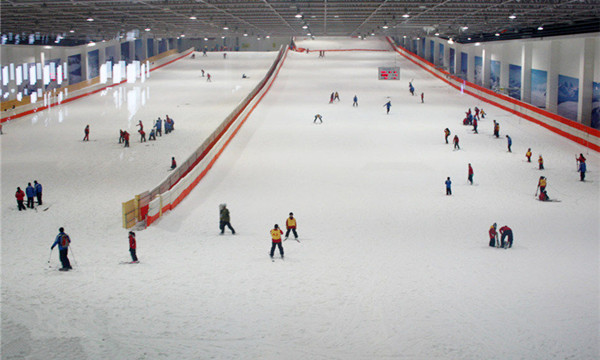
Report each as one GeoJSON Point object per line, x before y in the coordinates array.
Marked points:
{"type": "Point", "coordinates": [571, 130]}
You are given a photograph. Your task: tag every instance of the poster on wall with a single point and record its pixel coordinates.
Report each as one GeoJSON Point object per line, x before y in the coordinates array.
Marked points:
{"type": "Point", "coordinates": [452, 62]}
{"type": "Point", "coordinates": [478, 70]}
{"type": "Point", "coordinates": [464, 64]}
{"type": "Point", "coordinates": [596, 105]}
{"type": "Point", "coordinates": [539, 80]}
{"type": "Point", "coordinates": [51, 82]}
{"type": "Point", "coordinates": [495, 75]}
{"type": "Point", "coordinates": [150, 46]}
{"type": "Point", "coordinates": [139, 50]}
{"type": "Point", "coordinates": [125, 56]}
{"type": "Point", "coordinates": [568, 96]}
{"type": "Point", "coordinates": [431, 51]}
{"type": "Point", "coordinates": [414, 47]}
{"type": "Point", "coordinates": [74, 69]}
{"type": "Point", "coordinates": [441, 55]}
{"type": "Point", "coordinates": [93, 64]}
{"type": "Point", "coordinates": [162, 46]}
{"type": "Point", "coordinates": [514, 81]}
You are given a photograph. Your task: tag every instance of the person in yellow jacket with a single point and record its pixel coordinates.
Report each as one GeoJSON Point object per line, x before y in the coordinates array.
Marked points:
{"type": "Point", "coordinates": [276, 240]}
{"type": "Point", "coordinates": [290, 224]}
{"type": "Point", "coordinates": [528, 155]}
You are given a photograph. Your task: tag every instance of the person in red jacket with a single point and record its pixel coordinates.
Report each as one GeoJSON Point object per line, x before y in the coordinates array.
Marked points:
{"type": "Point", "coordinates": [455, 141]}
{"type": "Point", "coordinates": [173, 163]}
{"type": "Point", "coordinates": [470, 174]}
{"type": "Point", "coordinates": [126, 138]}
{"type": "Point", "coordinates": [87, 133]}
{"type": "Point", "coordinates": [20, 195]}
{"type": "Point", "coordinates": [493, 235]}
{"type": "Point", "coordinates": [506, 232]}
{"type": "Point", "coordinates": [290, 224]}
{"type": "Point", "coordinates": [132, 246]}
{"type": "Point", "coordinates": [142, 135]}
{"type": "Point", "coordinates": [276, 240]}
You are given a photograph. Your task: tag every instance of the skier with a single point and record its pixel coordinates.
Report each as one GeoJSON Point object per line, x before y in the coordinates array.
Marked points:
{"type": "Point", "coordinates": [476, 113]}
{"type": "Point", "coordinates": [132, 247]}
{"type": "Point", "coordinates": [355, 103]}
{"type": "Point", "coordinates": [276, 240]}
{"type": "Point", "coordinates": [121, 137]}
{"type": "Point", "coordinates": [544, 196]}
{"type": "Point", "coordinates": [475, 125]}
{"type": "Point", "coordinates": [142, 135]}
{"type": "Point", "coordinates": [470, 174]}
{"type": "Point", "coordinates": [541, 184]}
{"type": "Point", "coordinates": [224, 219]}
{"type": "Point", "coordinates": [173, 163]}
{"type": "Point", "coordinates": [580, 159]}
{"type": "Point", "coordinates": [140, 125]}
{"type": "Point", "coordinates": [20, 195]}
{"type": "Point", "coordinates": [126, 138]}
{"type": "Point", "coordinates": [86, 131]}
{"type": "Point", "coordinates": [193, 56]}
{"type": "Point", "coordinates": [152, 135]}
{"type": "Point", "coordinates": [541, 162]}
{"type": "Point", "coordinates": [337, 96]}
{"type": "Point", "coordinates": [318, 117]}
{"type": "Point", "coordinates": [506, 232]}
{"type": "Point", "coordinates": [388, 105]}
{"type": "Point", "coordinates": [493, 235]}
{"type": "Point", "coordinates": [202, 72]}
{"type": "Point", "coordinates": [448, 186]}
{"type": "Point", "coordinates": [411, 88]}
{"type": "Point", "coordinates": [496, 129]}
{"type": "Point", "coordinates": [224, 55]}
{"type": "Point", "coordinates": [509, 143]}
{"type": "Point", "coordinates": [244, 76]}
{"type": "Point", "coordinates": [482, 113]}
{"type": "Point", "coordinates": [446, 133]}
{"type": "Point", "coordinates": [290, 224]}
{"type": "Point", "coordinates": [455, 141]}
{"type": "Point", "coordinates": [38, 191]}
{"type": "Point", "coordinates": [204, 51]}
{"type": "Point", "coordinates": [422, 98]}
{"type": "Point", "coordinates": [63, 241]}
{"type": "Point", "coordinates": [331, 97]}
{"type": "Point", "coordinates": [159, 127]}
{"type": "Point", "coordinates": [30, 192]}
{"type": "Point", "coordinates": [528, 155]}
{"type": "Point", "coordinates": [582, 169]}
{"type": "Point", "coordinates": [469, 117]}
{"type": "Point", "coordinates": [208, 77]}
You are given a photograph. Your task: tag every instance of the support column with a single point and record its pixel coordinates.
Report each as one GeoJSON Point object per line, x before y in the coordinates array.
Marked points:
{"type": "Point", "coordinates": [552, 85]}
{"type": "Point", "coordinates": [486, 68]}
{"type": "Point", "coordinates": [419, 49]}
{"type": "Point", "coordinates": [457, 59]}
{"type": "Point", "coordinates": [84, 64]}
{"type": "Point", "coordinates": [471, 63]}
{"type": "Point", "coordinates": [427, 50]}
{"type": "Point", "coordinates": [586, 76]}
{"type": "Point", "coordinates": [526, 72]}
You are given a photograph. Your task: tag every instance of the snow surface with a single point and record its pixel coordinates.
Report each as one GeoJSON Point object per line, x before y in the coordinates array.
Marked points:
{"type": "Point", "coordinates": [388, 266]}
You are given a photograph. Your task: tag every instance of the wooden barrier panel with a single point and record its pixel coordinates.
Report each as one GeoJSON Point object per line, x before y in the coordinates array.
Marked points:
{"type": "Point", "coordinates": [129, 211]}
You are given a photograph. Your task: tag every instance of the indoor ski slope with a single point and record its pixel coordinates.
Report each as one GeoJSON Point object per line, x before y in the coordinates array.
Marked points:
{"type": "Point", "coordinates": [387, 267]}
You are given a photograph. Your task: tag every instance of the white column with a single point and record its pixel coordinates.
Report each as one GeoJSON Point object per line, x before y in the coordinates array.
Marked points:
{"type": "Point", "coordinates": [586, 76]}
{"type": "Point", "coordinates": [486, 68]}
{"type": "Point", "coordinates": [471, 64]}
{"type": "Point", "coordinates": [552, 85]}
{"type": "Point", "coordinates": [526, 72]}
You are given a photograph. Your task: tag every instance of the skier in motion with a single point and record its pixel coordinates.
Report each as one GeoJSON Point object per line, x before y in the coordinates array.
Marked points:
{"type": "Point", "coordinates": [290, 224]}
{"type": "Point", "coordinates": [63, 241]}
{"type": "Point", "coordinates": [318, 117]}
{"type": "Point", "coordinates": [276, 241]}
{"type": "Point", "coordinates": [224, 219]}
{"type": "Point", "coordinates": [388, 105]}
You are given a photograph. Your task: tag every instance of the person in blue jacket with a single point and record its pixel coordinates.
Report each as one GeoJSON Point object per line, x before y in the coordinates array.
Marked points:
{"type": "Point", "coordinates": [509, 142]}
{"type": "Point", "coordinates": [38, 191]}
{"type": "Point", "coordinates": [582, 170]}
{"type": "Point", "coordinates": [159, 127]}
{"type": "Point", "coordinates": [388, 105]}
{"type": "Point", "coordinates": [63, 241]}
{"type": "Point", "coordinates": [448, 186]}
{"type": "Point", "coordinates": [30, 192]}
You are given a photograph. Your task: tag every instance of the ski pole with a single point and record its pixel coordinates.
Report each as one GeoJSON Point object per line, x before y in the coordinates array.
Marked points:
{"type": "Point", "coordinates": [73, 255]}
{"type": "Point", "coordinates": [50, 257]}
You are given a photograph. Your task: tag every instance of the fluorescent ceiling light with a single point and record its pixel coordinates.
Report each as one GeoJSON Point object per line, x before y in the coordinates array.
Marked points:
{"type": "Point", "coordinates": [193, 17]}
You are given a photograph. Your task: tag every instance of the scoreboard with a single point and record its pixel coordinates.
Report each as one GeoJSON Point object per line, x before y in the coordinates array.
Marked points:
{"type": "Point", "coordinates": [389, 73]}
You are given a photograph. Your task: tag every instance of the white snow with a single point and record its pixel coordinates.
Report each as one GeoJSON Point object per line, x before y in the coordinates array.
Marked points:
{"type": "Point", "coordinates": [388, 265]}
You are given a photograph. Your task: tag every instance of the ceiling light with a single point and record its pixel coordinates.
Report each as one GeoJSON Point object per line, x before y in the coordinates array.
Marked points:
{"type": "Point", "coordinates": [305, 27]}
{"type": "Point", "coordinates": [541, 27]}
{"type": "Point", "coordinates": [404, 36]}
{"type": "Point", "coordinates": [268, 37]}
{"type": "Point", "coordinates": [205, 39]}
{"type": "Point", "coordinates": [182, 35]}
{"type": "Point", "coordinates": [147, 29]}
{"type": "Point", "coordinates": [385, 26]}
{"type": "Point", "coordinates": [193, 17]}
{"type": "Point", "coordinates": [71, 31]}
{"type": "Point", "coordinates": [405, 16]}
{"type": "Point", "coordinates": [245, 34]}
{"type": "Point", "coordinates": [90, 19]}
{"type": "Point", "coordinates": [469, 39]}
{"type": "Point", "coordinates": [91, 43]}
{"type": "Point", "coordinates": [298, 16]}
{"type": "Point", "coordinates": [463, 28]}
{"type": "Point", "coordinates": [477, 43]}
{"type": "Point", "coordinates": [437, 34]}
{"type": "Point", "coordinates": [513, 16]}
{"type": "Point", "coordinates": [336, 16]}
{"type": "Point", "coordinates": [450, 41]}
{"type": "Point", "coordinates": [309, 34]}
{"type": "Point", "coordinates": [497, 34]}
{"type": "Point", "coordinates": [222, 37]}
{"type": "Point", "coordinates": [372, 34]}
{"type": "Point", "coordinates": [225, 27]}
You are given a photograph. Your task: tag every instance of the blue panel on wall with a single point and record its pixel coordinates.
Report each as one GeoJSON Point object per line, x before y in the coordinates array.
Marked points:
{"type": "Point", "coordinates": [596, 105]}
{"type": "Point", "coordinates": [441, 55]}
{"type": "Point", "coordinates": [452, 63]}
{"type": "Point", "coordinates": [514, 81]}
{"type": "Point", "coordinates": [539, 83]}
{"type": "Point", "coordinates": [464, 64]}
{"type": "Point", "coordinates": [139, 50]}
{"type": "Point", "coordinates": [125, 56]}
{"type": "Point", "coordinates": [431, 49]}
{"type": "Point", "coordinates": [568, 96]}
{"type": "Point", "coordinates": [150, 47]}
{"type": "Point", "coordinates": [162, 46]}
{"type": "Point", "coordinates": [494, 74]}
{"type": "Point", "coordinates": [93, 64]}
{"type": "Point", "coordinates": [74, 66]}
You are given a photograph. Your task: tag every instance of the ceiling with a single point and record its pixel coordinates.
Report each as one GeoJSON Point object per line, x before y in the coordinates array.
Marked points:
{"type": "Point", "coordinates": [464, 21]}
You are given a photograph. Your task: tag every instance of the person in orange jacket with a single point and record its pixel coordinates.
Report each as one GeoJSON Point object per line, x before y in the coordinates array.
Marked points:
{"type": "Point", "coordinates": [276, 240]}
{"type": "Point", "coordinates": [493, 235]}
{"type": "Point", "coordinates": [290, 224]}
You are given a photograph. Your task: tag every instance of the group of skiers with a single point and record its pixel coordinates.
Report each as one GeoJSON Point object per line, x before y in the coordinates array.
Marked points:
{"type": "Point", "coordinates": [505, 233]}
{"type": "Point", "coordinates": [169, 126]}
{"type": "Point", "coordinates": [32, 192]}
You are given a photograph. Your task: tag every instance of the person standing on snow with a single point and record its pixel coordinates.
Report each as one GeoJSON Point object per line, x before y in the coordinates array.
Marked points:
{"type": "Point", "coordinates": [132, 247]}
{"type": "Point", "coordinates": [496, 129]}
{"type": "Point", "coordinates": [224, 219]}
{"type": "Point", "coordinates": [447, 134]}
{"type": "Point", "coordinates": [493, 235]}
{"type": "Point", "coordinates": [470, 174]}
{"type": "Point", "coordinates": [63, 241]}
{"type": "Point", "coordinates": [38, 191]}
{"type": "Point", "coordinates": [158, 127]}
{"type": "Point", "coordinates": [582, 169]}
{"type": "Point", "coordinates": [506, 232]}
{"type": "Point", "coordinates": [528, 155]}
{"type": "Point", "coordinates": [448, 186]}
{"type": "Point", "coordinates": [455, 141]}
{"type": "Point", "coordinates": [86, 132]}
{"type": "Point", "coordinates": [355, 103]}
{"type": "Point", "coordinates": [290, 224]}
{"type": "Point", "coordinates": [541, 162]}
{"type": "Point", "coordinates": [509, 143]}
{"type": "Point", "coordinates": [336, 96]}
{"type": "Point", "coordinates": [30, 192]}
{"type": "Point", "coordinates": [173, 163]}
{"type": "Point", "coordinates": [20, 195]}
{"type": "Point", "coordinates": [422, 98]}
{"type": "Point", "coordinates": [475, 125]}
{"type": "Point", "coordinates": [276, 241]}
{"type": "Point", "coordinates": [142, 135]}
{"type": "Point", "coordinates": [542, 184]}
{"type": "Point", "coordinates": [388, 105]}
